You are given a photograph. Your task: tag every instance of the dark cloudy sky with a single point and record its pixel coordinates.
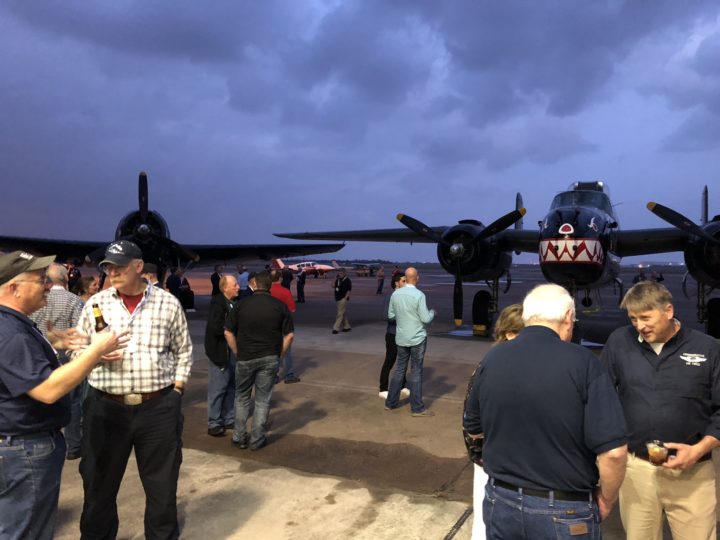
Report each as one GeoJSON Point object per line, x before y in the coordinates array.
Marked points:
{"type": "Point", "coordinates": [261, 117]}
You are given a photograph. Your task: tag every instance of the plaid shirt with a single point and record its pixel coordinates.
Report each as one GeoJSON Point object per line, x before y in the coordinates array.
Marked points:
{"type": "Point", "coordinates": [160, 350]}
{"type": "Point", "coordinates": [62, 310]}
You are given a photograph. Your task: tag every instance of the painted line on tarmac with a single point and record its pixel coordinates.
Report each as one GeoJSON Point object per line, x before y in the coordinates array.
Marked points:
{"type": "Point", "coordinates": [459, 523]}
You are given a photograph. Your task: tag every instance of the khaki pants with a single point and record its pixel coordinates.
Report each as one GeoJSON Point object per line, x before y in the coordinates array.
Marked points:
{"type": "Point", "coordinates": [341, 319]}
{"type": "Point", "coordinates": [688, 499]}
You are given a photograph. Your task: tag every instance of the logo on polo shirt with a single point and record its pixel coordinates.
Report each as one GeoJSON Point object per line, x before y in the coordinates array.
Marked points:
{"type": "Point", "coordinates": [693, 359]}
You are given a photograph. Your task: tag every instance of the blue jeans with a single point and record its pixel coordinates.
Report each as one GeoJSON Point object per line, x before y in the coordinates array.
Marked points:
{"type": "Point", "coordinates": [288, 363]}
{"type": "Point", "coordinates": [259, 373]}
{"type": "Point", "coordinates": [73, 431]}
{"type": "Point", "coordinates": [221, 393]}
{"type": "Point", "coordinates": [30, 471]}
{"type": "Point", "coordinates": [415, 355]}
{"type": "Point", "coordinates": [510, 514]}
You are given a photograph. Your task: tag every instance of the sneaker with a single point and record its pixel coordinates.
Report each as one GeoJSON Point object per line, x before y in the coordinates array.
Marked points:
{"type": "Point", "coordinates": [383, 394]}
{"type": "Point", "coordinates": [404, 393]}
{"type": "Point", "coordinates": [217, 431]}
{"type": "Point", "coordinates": [242, 444]}
{"type": "Point", "coordinates": [292, 379]}
{"type": "Point", "coordinates": [230, 426]}
{"type": "Point", "coordinates": [258, 445]}
{"type": "Point", "coordinates": [423, 414]}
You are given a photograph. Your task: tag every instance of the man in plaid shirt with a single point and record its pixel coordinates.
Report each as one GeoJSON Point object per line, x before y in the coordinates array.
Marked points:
{"type": "Point", "coordinates": [61, 312]}
{"type": "Point", "coordinates": [136, 404]}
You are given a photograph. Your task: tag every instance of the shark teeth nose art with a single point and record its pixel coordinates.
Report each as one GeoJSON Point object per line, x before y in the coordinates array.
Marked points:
{"type": "Point", "coordinates": [571, 250]}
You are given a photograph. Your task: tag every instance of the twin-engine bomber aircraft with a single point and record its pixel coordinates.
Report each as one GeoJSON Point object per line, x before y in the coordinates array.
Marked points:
{"type": "Point", "coordinates": [148, 229]}
{"type": "Point", "coordinates": [579, 245]}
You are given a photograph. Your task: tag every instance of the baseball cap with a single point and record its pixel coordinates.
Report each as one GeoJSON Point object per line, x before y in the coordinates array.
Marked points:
{"type": "Point", "coordinates": [150, 268]}
{"type": "Point", "coordinates": [15, 263]}
{"type": "Point", "coordinates": [121, 253]}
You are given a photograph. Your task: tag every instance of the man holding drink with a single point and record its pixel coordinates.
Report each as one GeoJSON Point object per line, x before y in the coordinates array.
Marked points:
{"type": "Point", "coordinates": [136, 404]}
{"type": "Point", "coordinates": [668, 380]}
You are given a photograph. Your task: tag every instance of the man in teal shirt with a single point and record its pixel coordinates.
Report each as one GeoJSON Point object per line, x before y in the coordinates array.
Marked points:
{"type": "Point", "coordinates": [409, 309]}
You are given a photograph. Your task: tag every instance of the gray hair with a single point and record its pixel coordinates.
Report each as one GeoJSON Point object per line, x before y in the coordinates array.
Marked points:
{"type": "Point", "coordinates": [57, 274]}
{"type": "Point", "coordinates": [547, 303]}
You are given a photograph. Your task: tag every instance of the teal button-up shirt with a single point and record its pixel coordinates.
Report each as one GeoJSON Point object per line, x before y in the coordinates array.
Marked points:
{"type": "Point", "coordinates": [409, 309]}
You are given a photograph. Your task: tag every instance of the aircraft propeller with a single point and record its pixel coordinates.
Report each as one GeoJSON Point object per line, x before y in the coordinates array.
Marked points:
{"type": "Point", "coordinates": [681, 222]}
{"type": "Point", "coordinates": [457, 249]}
{"type": "Point", "coordinates": [143, 196]}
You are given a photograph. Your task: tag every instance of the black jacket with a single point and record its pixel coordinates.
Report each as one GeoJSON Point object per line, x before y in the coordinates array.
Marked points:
{"type": "Point", "coordinates": [216, 347]}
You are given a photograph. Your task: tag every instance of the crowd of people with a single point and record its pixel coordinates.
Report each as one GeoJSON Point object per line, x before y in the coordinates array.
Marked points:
{"type": "Point", "coordinates": [556, 435]}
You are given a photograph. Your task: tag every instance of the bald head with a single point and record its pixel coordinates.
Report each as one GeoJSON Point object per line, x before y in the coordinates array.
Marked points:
{"type": "Point", "coordinates": [411, 276]}
{"type": "Point", "coordinates": [57, 274]}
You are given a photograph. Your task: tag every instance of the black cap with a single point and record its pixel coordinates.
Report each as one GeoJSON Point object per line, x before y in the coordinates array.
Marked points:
{"type": "Point", "coordinates": [121, 253]}
{"type": "Point", "coordinates": [149, 268]}
{"type": "Point", "coordinates": [15, 263]}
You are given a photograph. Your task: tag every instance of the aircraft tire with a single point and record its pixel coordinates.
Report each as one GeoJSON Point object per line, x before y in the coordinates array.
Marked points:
{"type": "Point", "coordinates": [482, 319]}
{"type": "Point", "coordinates": [713, 317]}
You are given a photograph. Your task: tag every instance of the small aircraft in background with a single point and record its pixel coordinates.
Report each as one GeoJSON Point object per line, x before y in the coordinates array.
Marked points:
{"type": "Point", "coordinates": [579, 244]}
{"type": "Point", "coordinates": [311, 268]}
{"type": "Point", "coordinates": [365, 269]}
{"type": "Point", "coordinates": [149, 230]}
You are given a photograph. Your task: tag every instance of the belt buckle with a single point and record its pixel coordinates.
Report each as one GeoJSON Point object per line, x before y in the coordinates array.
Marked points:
{"type": "Point", "coordinates": [132, 399]}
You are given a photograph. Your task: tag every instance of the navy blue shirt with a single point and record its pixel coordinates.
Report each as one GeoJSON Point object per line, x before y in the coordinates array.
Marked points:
{"type": "Point", "coordinates": [26, 360]}
{"type": "Point", "coordinates": [547, 409]}
{"type": "Point", "coordinates": [673, 396]}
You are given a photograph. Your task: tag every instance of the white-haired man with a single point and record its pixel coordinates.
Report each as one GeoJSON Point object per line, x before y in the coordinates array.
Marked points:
{"type": "Point", "coordinates": [62, 312]}
{"type": "Point", "coordinates": [34, 405]}
{"type": "Point", "coordinates": [555, 444]}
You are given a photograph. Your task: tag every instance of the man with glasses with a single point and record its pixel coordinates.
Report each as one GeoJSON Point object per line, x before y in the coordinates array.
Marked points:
{"type": "Point", "coordinates": [34, 404]}
{"type": "Point", "coordinates": [134, 404]}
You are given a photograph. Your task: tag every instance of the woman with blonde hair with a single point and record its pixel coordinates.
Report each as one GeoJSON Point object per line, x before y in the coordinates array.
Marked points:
{"type": "Point", "coordinates": [507, 327]}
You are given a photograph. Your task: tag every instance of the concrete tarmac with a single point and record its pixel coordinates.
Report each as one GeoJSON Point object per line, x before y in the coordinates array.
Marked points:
{"type": "Point", "coordinates": [337, 464]}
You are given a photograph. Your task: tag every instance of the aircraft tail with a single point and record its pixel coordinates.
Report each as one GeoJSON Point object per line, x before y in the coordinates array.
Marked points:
{"type": "Point", "coordinates": [277, 264]}
{"type": "Point", "coordinates": [335, 265]}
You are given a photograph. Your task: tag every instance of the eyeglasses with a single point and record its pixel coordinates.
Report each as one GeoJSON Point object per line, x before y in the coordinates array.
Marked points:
{"type": "Point", "coordinates": [113, 268]}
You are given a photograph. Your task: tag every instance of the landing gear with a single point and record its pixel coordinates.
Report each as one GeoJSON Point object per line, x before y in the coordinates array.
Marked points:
{"type": "Point", "coordinates": [708, 310]}
{"type": "Point", "coordinates": [483, 309]}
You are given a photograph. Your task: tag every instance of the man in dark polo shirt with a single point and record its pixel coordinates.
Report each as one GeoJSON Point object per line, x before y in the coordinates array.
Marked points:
{"type": "Point", "coordinates": [554, 431]}
{"type": "Point", "coordinates": [259, 331]}
{"type": "Point", "coordinates": [668, 379]}
{"type": "Point", "coordinates": [34, 404]}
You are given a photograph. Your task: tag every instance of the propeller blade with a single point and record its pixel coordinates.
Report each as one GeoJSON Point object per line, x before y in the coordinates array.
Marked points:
{"type": "Point", "coordinates": [143, 196]}
{"type": "Point", "coordinates": [458, 298]}
{"type": "Point", "coordinates": [418, 227]}
{"type": "Point", "coordinates": [501, 223]}
{"type": "Point", "coordinates": [681, 222]}
{"type": "Point", "coordinates": [177, 248]}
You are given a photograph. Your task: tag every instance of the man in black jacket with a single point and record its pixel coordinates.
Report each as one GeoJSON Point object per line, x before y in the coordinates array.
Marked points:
{"type": "Point", "coordinates": [221, 369]}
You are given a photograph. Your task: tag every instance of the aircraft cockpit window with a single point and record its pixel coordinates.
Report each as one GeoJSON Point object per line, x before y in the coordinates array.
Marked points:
{"type": "Point", "coordinates": [582, 198]}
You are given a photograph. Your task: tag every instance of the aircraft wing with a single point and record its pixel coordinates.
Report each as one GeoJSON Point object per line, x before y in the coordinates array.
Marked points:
{"type": "Point", "coordinates": [209, 254]}
{"type": "Point", "coordinates": [648, 241]}
{"type": "Point", "coordinates": [518, 240]}
{"type": "Point", "coordinates": [369, 235]}
{"type": "Point", "coordinates": [64, 249]}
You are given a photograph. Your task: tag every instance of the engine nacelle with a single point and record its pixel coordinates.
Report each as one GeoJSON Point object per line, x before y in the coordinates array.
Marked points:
{"type": "Point", "coordinates": [702, 258]}
{"type": "Point", "coordinates": [478, 260]}
{"type": "Point", "coordinates": [133, 225]}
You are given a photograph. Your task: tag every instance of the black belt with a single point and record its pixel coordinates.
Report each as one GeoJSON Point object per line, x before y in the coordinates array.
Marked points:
{"type": "Point", "coordinates": [556, 494]}
{"type": "Point", "coordinates": [27, 436]}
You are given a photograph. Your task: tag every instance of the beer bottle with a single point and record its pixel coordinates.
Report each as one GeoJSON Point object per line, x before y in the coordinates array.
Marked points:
{"type": "Point", "coordinates": [100, 323]}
